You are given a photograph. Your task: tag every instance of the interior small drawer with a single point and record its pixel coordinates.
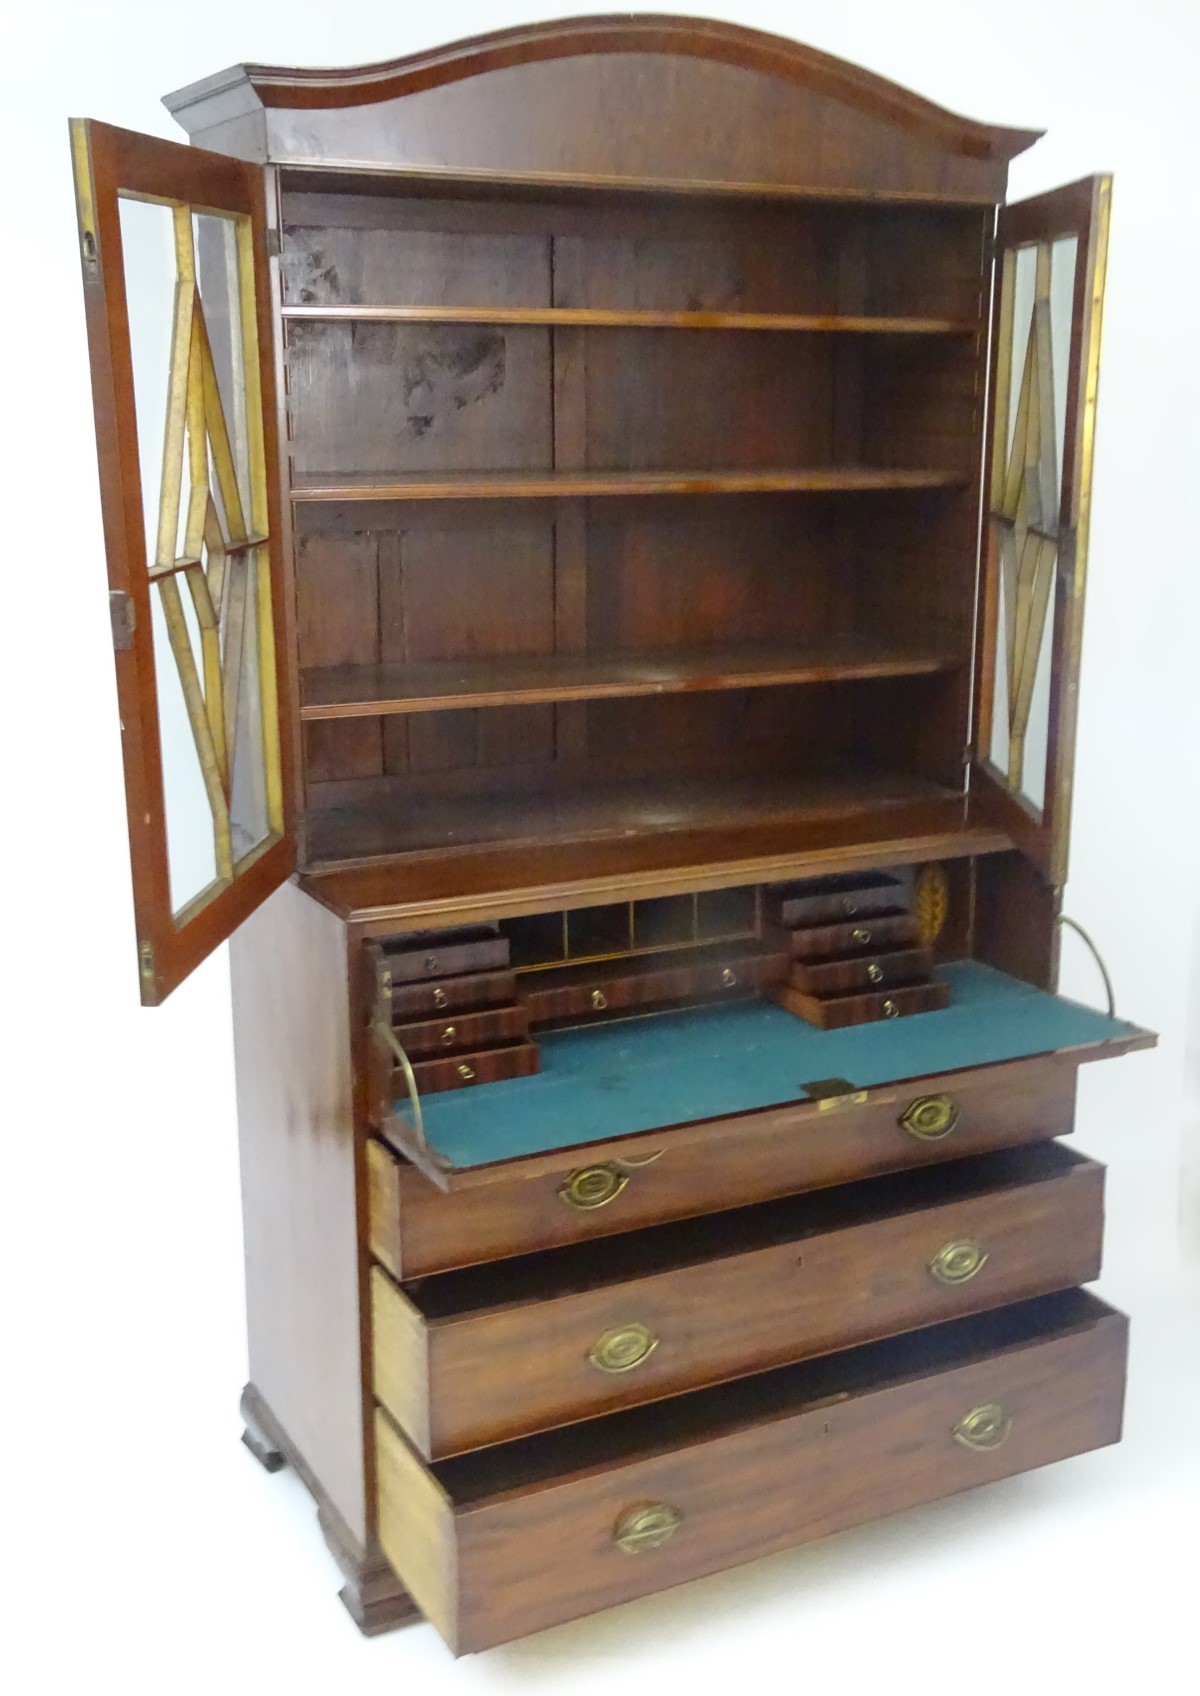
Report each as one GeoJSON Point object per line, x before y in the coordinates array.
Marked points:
{"type": "Point", "coordinates": [453, 995]}
{"type": "Point", "coordinates": [871, 971]}
{"type": "Point", "coordinates": [881, 933]}
{"type": "Point", "coordinates": [826, 901]}
{"type": "Point", "coordinates": [446, 954]}
{"type": "Point", "coordinates": [575, 1195]}
{"type": "Point", "coordinates": [486, 1354]}
{"type": "Point", "coordinates": [617, 985]}
{"type": "Point", "coordinates": [513, 1059]}
{"type": "Point", "coordinates": [512, 1539]}
{"type": "Point", "coordinates": [863, 1007]}
{"type": "Point", "coordinates": [463, 1031]}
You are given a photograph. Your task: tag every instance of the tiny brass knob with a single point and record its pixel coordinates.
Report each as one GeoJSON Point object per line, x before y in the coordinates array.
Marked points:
{"type": "Point", "coordinates": [431, 962]}
{"type": "Point", "coordinates": [958, 1262]}
{"type": "Point", "coordinates": [849, 907]}
{"type": "Point", "coordinates": [594, 1186]}
{"type": "Point", "coordinates": [622, 1348]}
{"type": "Point", "coordinates": [875, 973]}
{"type": "Point", "coordinates": [647, 1527]}
{"type": "Point", "coordinates": [890, 1009]}
{"type": "Point", "coordinates": [439, 998]}
{"type": "Point", "coordinates": [448, 1036]}
{"type": "Point", "coordinates": [930, 1117]}
{"type": "Point", "coordinates": [466, 1072]}
{"type": "Point", "coordinates": [860, 934]}
{"type": "Point", "coordinates": [599, 1000]}
{"type": "Point", "coordinates": [984, 1427]}
{"type": "Point", "coordinates": [729, 978]}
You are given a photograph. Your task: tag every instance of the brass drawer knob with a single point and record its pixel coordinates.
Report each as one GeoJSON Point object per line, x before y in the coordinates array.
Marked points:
{"type": "Point", "coordinates": [622, 1348]}
{"type": "Point", "coordinates": [594, 1186]}
{"type": "Point", "coordinates": [729, 978]}
{"type": "Point", "coordinates": [874, 973]}
{"type": "Point", "coordinates": [431, 962]}
{"type": "Point", "coordinates": [599, 1000]}
{"type": "Point", "coordinates": [849, 907]}
{"type": "Point", "coordinates": [930, 1117]}
{"type": "Point", "coordinates": [646, 1528]}
{"type": "Point", "coordinates": [890, 1009]}
{"type": "Point", "coordinates": [984, 1427]}
{"type": "Point", "coordinates": [958, 1262]}
{"type": "Point", "coordinates": [860, 934]}
{"type": "Point", "coordinates": [448, 1036]}
{"type": "Point", "coordinates": [465, 1072]}
{"type": "Point", "coordinates": [439, 998]}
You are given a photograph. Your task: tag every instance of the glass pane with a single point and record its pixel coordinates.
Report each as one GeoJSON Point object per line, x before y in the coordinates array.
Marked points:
{"type": "Point", "coordinates": [200, 454]}
{"type": "Point", "coordinates": [1062, 306]}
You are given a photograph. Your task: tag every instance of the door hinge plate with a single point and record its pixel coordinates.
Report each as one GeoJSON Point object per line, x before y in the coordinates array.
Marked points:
{"type": "Point", "coordinates": [271, 238]}
{"type": "Point", "coordinates": [123, 615]}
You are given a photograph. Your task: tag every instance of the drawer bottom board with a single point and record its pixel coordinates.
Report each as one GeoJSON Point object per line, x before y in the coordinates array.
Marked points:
{"type": "Point", "coordinates": [510, 1540]}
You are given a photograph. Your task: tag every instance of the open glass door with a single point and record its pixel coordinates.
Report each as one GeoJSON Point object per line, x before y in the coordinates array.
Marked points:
{"type": "Point", "coordinates": [175, 285]}
{"type": "Point", "coordinates": [1050, 259]}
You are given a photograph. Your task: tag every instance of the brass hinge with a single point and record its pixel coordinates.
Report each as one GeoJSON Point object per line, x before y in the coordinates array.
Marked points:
{"type": "Point", "coordinates": [274, 247]}
{"type": "Point", "coordinates": [123, 614]}
{"type": "Point", "coordinates": [146, 961]}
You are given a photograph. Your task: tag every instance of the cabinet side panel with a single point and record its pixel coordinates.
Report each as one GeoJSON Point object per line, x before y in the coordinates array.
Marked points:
{"type": "Point", "coordinates": [296, 1122]}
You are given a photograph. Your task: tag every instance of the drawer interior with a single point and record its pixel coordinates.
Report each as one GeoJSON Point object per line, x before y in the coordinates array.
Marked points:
{"type": "Point", "coordinates": [583, 1266]}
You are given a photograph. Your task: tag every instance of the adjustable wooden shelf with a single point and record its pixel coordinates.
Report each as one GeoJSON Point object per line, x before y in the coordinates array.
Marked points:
{"type": "Point", "coordinates": [557, 642]}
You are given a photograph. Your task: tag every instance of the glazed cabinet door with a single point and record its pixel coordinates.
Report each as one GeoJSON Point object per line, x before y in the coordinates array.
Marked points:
{"type": "Point", "coordinates": [172, 241]}
{"type": "Point", "coordinates": [1049, 284]}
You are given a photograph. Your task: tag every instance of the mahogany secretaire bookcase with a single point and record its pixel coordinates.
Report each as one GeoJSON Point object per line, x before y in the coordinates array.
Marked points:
{"type": "Point", "coordinates": [596, 523]}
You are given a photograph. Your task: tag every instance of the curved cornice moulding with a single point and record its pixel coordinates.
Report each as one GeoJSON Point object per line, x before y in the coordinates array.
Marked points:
{"type": "Point", "coordinates": [251, 87]}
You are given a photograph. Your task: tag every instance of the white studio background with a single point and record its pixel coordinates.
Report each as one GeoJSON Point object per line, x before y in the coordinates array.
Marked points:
{"type": "Point", "coordinates": [147, 1550]}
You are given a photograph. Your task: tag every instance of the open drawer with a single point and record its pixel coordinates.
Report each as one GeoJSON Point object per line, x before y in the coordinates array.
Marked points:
{"type": "Point", "coordinates": [496, 1352]}
{"type": "Point", "coordinates": [506, 1541]}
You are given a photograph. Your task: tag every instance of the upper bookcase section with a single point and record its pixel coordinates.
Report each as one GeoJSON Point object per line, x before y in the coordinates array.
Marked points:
{"type": "Point", "coordinates": [637, 102]}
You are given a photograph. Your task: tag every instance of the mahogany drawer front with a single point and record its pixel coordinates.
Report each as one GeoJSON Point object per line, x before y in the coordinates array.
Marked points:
{"type": "Point", "coordinates": [478, 1357]}
{"type": "Point", "coordinates": [465, 1030]}
{"type": "Point", "coordinates": [417, 1228]}
{"type": "Point", "coordinates": [885, 932]}
{"type": "Point", "coordinates": [515, 1059]}
{"type": "Point", "coordinates": [835, 1012]}
{"type": "Point", "coordinates": [453, 995]}
{"type": "Point", "coordinates": [513, 1539]}
{"type": "Point", "coordinates": [841, 977]}
{"type": "Point", "coordinates": [831, 900]}
{"type": "Point", "coordinates": [571, 994]}
{"type": "Point", "coordinates": [446, 956]}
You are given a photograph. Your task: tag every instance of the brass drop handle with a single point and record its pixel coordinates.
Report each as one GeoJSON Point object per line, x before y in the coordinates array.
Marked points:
{"type": "Point", "coordinates": [860, 934]}
{"type": "Point", "coordinates": [729, 978]}
{"type": "Point", "coordinates": [644, 1528]}
{"type": "Point", "coordinates": [930, 1117]}
{"type": "Point", "coordinates": [958, 1262]}
{"type": "Point", "coordinates": [594, 1186]}
{"type": "Point", "coordinates": [890, 1009]}
{"type": "Point", "coordinates": [599, 1000]}
{"type": "Point", "coordinates": [984, 1428]}
{"type": "Point", "coordinates": [874, 973]}
{"type": "Point", "coordinates": [440, 999]}
{"type": "Point", "coordinates": [448, 1036]}
{"type": "Point", "coordinates": [465, 1072]}
{"type": "Point", "coordinates": [622, 1348]}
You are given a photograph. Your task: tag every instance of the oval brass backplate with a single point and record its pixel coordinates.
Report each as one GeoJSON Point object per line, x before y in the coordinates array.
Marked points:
{"type": "Point", "coordinates": [622, 1348]}
{"type": "Point", "coordinates": [984, 1427]}
{"type": "Point", "coordinates": [594, 1186]}
{"type": "Point", "coordinates": [930, 1117]}
{"type": "Point", "coordinates": [647, 1527]}
{"type": "Point", "coordinates": [958, 1262]}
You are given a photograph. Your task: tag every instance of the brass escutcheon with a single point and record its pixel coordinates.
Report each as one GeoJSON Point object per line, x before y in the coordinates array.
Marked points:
{"type": "Point", "coordinates": [599, 1000]}
{"type": "Point", "coordinates": [958, 1262]}
{"type": "Point", "coordinates": [466, 1072]}
{"type": "Point", "coordinates": [875, 973]}
{"type": "Point", "coordinates": [647, 1527]}
{"type": "Point", "coordinates": [930, 1117]}
{"type": "Point", "coordinates": [439, 998]}
{"type": "Point", "coordinates": [448, 1036]}
{"type": "Point", "coordinates": [984, 1427]}
{"type": "Point", "coordinates": [622, 1348]}
{"type": "Point", "coordinates": [890, 1009]}
{"type": "Point", "coordinates": [594, 1186]}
